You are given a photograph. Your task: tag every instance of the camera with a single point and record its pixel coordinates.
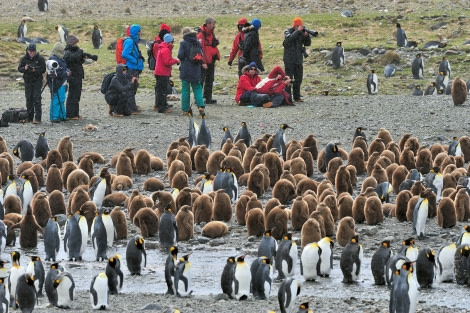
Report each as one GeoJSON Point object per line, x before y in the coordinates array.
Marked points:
{"type": "Point", "coordinates": [91, 56]}
{"type": "Point", "coordinates": [312, 33]}
{"type": "Point", "coordinates": [51, 66]}
{"type": "Point", "coordinates": [215, 42]}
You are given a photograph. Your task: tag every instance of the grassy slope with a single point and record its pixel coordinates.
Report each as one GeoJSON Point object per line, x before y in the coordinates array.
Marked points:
{"type": "Point", "coordinates": [367, 29]}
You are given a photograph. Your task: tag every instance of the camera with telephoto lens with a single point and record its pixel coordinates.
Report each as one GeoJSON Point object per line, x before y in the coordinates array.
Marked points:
{"type": "Point", "coordinates": [91, 56]}
{"type": "Point", "coordinates": [51, 66]}
{"type": "Point", "coordinates": [312, 33]}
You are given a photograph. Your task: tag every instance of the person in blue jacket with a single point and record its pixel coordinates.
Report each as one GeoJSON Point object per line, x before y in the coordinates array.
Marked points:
{"type": "Point", "coordinates": [57, 74]}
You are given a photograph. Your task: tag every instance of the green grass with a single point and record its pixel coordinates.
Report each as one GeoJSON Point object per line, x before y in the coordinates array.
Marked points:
{"type": "Point", "coordinates": [367, 29]}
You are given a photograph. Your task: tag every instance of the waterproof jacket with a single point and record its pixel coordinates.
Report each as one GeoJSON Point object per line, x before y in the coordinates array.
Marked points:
{"type": "Point", "coordinates": [131, 51]}
{"type": "Point", "coordinates": [209, 48]}
{"type": "Point", "coordinates": [252, 48]}
{"type": "Point", "coordinates": [37, 62]}
{"type": "Point", "coordinates": [247, 82]}
{"type": "Point", "coordinates": [237, 46]}
{"type": "Point", "coordinates": [119, 86]}
{"type": "Point", "coordinates": [56, 79]}
{"type": "Point", "coordinates": [294, 42]}
{"type": "Point", "coordinates": [164, 60]}
{"type": "Point", "coordinates": [189, 71]}
{"type": "Point", "coordinates": [75, 58]}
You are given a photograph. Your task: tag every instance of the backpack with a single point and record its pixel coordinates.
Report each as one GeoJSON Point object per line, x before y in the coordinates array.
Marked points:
{"type": "Point", "coordinates": [195, 54]}
{"type": "Point", "coordinates": [151, 58]}
{"type": "Point", "coordinates": [14, 115]}
{"type": "Point", "coordinates": [106, 81]}
{"type": "Point", "coordinates": [119, 48]}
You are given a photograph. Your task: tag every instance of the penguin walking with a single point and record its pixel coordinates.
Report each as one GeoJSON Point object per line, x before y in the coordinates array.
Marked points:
{"type": "Point", "coordinates": [43, 5]}
{"type": "Point", "coordinates": [338, 55]}
{"type": "Point", "coordinates": [24, 150]}
{"type": "Point", "coordinates": [241, 279]}
{"type": "Point", "coordinates": [183, 277]}
{"type": "Point", "coordinates": [244, 134]}
{"type": "Point", "coordinates": [351, 259]}
{"type": "Point", "coordinates": [204, 135]}
{"type": "Point", "coordinates": [136, 256]}
{"type": "Point", "coordinates": [402, 40]}
{"type": "Point", "coordinates": [76, 236]}
{"type": "Point", "coordinates": [25, 293]}
{"type": "Point", "coordinates": [26, 193]}
{"type": "Point", "coordinates": [207, 184]}
{"type": "Point", "coordinates": [425, 267]}
{"type": "Point", "coordinates": [99, 189]}
{"type": "Point", "coordinates": [372, 83]}
{"type": "Point", "coordinates": [65, 287]}
{"type": "Point", "coordinates": [310, 261]}
{"type": "Point", "coordinates": [287, 294]}
{"type": "Point", "coordinates": [16, 271]}
{"type": "Point", "coordinates": [99, 292]}
{"type": "Point", "coordinates": [417, 67]}
{"type": "Point", "coordinates": [404, 294]}
{"type": "Point", "coordinates": [96, 37]}
{"type": "Point", "coordinates": [51, 239]}
{"type": "Point", "coordinates": [445, 261]}
{"type": "Point", "coordinates": [420, 214]}
{"type": "Point", "coordinates": [51, 293]}
{"type": "Point", "coordinates": [42, 147]}
{"type": "Point", "coordinates": [279, 141]}
{"type": "Point", "coordinates": [63, 33]}
{"type": "Point", "coordinates": [99, 237]}
{"type": "Point", "coordinates": [4, 294]}
{"type": "Point", "coordinates": [326, 245]}
{"type": "Point", "coordinates": [226, 279]}
{"type": "Point", "coordinates": [262, 278]}
{"type": "Point", "coordinates": [193, 130]}
{"type": "Point", "coordinates": [36, 268]}
{"type": "Point", "coordinates": [168, 230]}
{"type": "Point", "coordinates": [227, 135]}
{"type": "Point", "coordinates": [114, 274]}
{"type": "Point", "coordinates": [170, 265]}
{"type": "Point", "coordinates": [286, 257]}
{"type": "Point", "coordinates": [442, 80]}
{"type": "Point", "coordinates": [444, 66]}
{"type": "Point", "coordinates": [379, 262]}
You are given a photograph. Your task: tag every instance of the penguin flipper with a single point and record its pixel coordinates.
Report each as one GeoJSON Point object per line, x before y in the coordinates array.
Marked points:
{"type": "Point", "coordinates": [93, 292]}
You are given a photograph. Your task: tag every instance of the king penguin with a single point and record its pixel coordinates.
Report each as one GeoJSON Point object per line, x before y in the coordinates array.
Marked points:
{"type": "Point", "coordinates": [464, 236]}
{"type": "Point", "coordinates": [51, 293]}
{"type": "Point", "coordinates": [24, 150]}
{"type": "Point", "coordinates": [417, 91]}
{"type": "Point", "coordinates": [331, 151]}
{"type": "Point", "coordinates": [431, 90]}
{"type": "Point", "coordinates": [99, 292]}
{"type": "Point", "coordinates": [417, 67]}
{"type": "Point", "coordinates": [454, 147]}
{"type": "Point", "coordinates": [244, 134]}
{"type": "Point", "coordinates": [63, 33]}
{"type": "Point", "coordinates": [136, 256]}
{"type": "Point", "coordinates": [16, 271]}
{"type": "Point", "coordinates": [420, 214]}
{"type": "Point", "coordinates": [43, 5]}
{"type": "Point", "coordinates": [279, 141]}
{"type": "Point", "coordinates": [3, 234]}
{"type": "Point", "coordinates": [402, 40]}
{"type": "Point", "coordinates": [42, 147]}
{"type": "Point", "coordinates": [26, 193]}
{"type": "Point", "coordinates": [193, 130]}
{"type": "Point", "coordinates": [65, 287]}
{"type": "Point", "coordinates": [99, 237]}
{"type": "Point", "coordinates": [226, 279]}
{"type": "Point", "coordinates": [404, 294]}
{"type": "Point", "coordinates": [351, 259]}
{"type": "Point", "coordinates": [23, 28]}
{"type": "Point", "coordinates": [383, 191]}
{"type": "Point", "coordinates": [183, 277]}
{"type": "Point", "coordinates": [207, 184]}
{"type": "Point", "coordinates": [51, 239]}
{"type": "Point", "coordinates": [168, 230]}
{"type": "Point", "coordinates": [372, 83]}
{"type": "Point", "coordinates": [310, 261]}
{"type": "Point", "coordinates": [25, 293]}
{"type": "Point", "coordinates": [442, 80]}
{"type": "Point", "coordinates": [445, 261]}
{"type": "Point", "coordinates": [389, 70]}
{"type": "Point", "coordinates": [36, 269]}
{"type": "Point", "coordinates": [326, 245]}
{"type": "Point", "coordinates": [267, 246]}
{"type": "Point", "coordinates": [204, 135]}
{"type": "Point", "coordinates": [96, 37]}
{"type": "Point", "coordinates": [287, 294]}
{"type": "Point", "coordinates": [76, 236]}
{"type": "Point", "coordinates": [444, 66]}
{"type": "Point", "coordinates": [4, 294]}
{"type": "Point", "coordinates": [241, 279]}
{"type": "Point", "coordinates": [425, 267]}
{"type": "Point", "coordinates": [461, 262]}
{"type": "Point", "coordinates": [114, 274]}
{"type": "Point", "coordinates": [262, 278]}
{"type": "Point", "coordinates": [99, 189]}
{"type": "Point", "coordinates": [10, 188]}
{"type": "Point", "coordinates": [170, 265]}
{"type": "Point", "coordinates": [286, 257]}
{"type": "Point", "coordinates": [227, 135]}
{"type": "Point", "coordinates": [338, 55]}
{"type": "Point", "coordinates": [230, 184]}
{"type": "Point", "coordinates": [379, 262]}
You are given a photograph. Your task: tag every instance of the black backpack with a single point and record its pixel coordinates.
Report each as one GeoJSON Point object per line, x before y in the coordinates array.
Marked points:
{"type": "Point", "coordinates": [106, 81]}
{"type": "Point", "coordinates": [195, 54]}
{"type": "Point", "coordinates": [151, 58]}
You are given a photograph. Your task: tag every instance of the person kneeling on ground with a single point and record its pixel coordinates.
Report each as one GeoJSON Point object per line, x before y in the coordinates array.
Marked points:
{"type": "Point", "coordinates": [118, 92]}
{"type": "Point", "coordinates": [274, 86]}
{"type": "Point", "coordinates": [246, 93]}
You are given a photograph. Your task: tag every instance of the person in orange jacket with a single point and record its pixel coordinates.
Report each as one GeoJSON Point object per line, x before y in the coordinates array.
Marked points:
{"type": "Point", "coordinates": [209, 43]}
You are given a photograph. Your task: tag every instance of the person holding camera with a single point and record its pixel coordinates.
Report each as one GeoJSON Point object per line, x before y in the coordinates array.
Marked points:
{"type": "Point", "coordinates": [296, 39]}
{"type": "Point", "coordinates": [75, 57]}
{"type": "Point", "coordinates": [118, 91]}
{"type": "Point", "coordinates": [211, 54]}
{"type": "Point", "coordinates": [33, 66]}
{"type": "Point", "coordinates": [134, 62]}
{"type": "Point", "coordinates": [57, 75]}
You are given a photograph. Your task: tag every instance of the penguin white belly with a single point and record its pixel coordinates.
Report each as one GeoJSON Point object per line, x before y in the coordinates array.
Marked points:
{"type": "Point", "coordinates": [325, 263]}
{"type": "Point", "coordinates": [63, 293]}
{"type": "Point", "coordinates": [14, 274]}
{"type": "Point", "coordinates": [11, 190]}
{"type": "Point", "coordinates": [99, 193]}
{"type": "Point", "coordinates": [243, 277]}
{"type": "Point", "coordinates": [82, 223]}
{"type": "Point", "coordinates": [422, 217]}
{"type": "Point", "coordinates": [109, 225]}
{"type": "Point", "coordinates": [310, 259]}
{"type": "Point", "coordinates": [293, 255]}
{"type": "Point", "coordinates": [465, 239]}
{"type": "Point", "coordinates": [291, 307]}
{"type": "Point", "coordinates": [354, 269]}
{"type": "Point", "coordinates": [100, 286]}
{"type": "Point", "coordinates": [27, 197]}
{"type": "Point", "coordinates": [184, 290]}
{"type": "Point", "coordinates": [446, 260]}
{"type": "Point", "coordinates": [412, 292]}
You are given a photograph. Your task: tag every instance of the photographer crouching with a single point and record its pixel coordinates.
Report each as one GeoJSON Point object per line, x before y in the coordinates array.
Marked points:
{"type": "Point", "coordinates": [75, 57]}
{"type": "Point", "coordinates": [33, 66]}
{"type": "Point", "coordinates": [57, 74]}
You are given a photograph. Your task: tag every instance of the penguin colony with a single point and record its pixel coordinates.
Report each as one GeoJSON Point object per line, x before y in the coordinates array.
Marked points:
{"type": "Point", "coordinates": [90, 218]}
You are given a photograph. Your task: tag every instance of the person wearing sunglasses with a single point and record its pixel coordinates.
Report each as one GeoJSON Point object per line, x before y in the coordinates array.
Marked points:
{"type": "Point", "coordinates": [246, 94]}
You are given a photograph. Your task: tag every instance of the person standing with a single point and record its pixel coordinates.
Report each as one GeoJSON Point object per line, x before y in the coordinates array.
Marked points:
{"type": "Point", "coordinates": [57, 82]}
{"type": "Point", "coordinates": [252, 47]}
{"type": "Point", "coordinates": [295, 41]}
{"type": "Point", "coordinates": [164, 29]}
{"type": "Point", "coordinates": [190, 73]}
{"type": "Point", "coordinates": [163, 72]}
{"type": "Point", "coordinates": [134, 62]}
{"type": "Point", "coordinates": [33, 66]}
{"type": "Point", "coordinates": [237, 45]}
{"type": "Point", "coordinates": [211, 54]}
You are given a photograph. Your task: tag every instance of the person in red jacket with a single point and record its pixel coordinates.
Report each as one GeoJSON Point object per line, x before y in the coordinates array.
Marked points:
{"type": "Point", "coordinates": [164, 29]}
{"type": "Point", "coordinates": [274, 85]}
{"type": "Point", "coordinates": [237, 45]}
{"type": "Point", "coordinates": [163, 72]}
{"type": "Point", "coordinates": [211, 54]}
{"type": "Point", "coordinates": [246, 93]}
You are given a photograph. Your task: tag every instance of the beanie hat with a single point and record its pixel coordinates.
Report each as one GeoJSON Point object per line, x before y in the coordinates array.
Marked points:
{"type": "Point", "coordinates": [168, 38]}
{"type": "Point", "coordinates": [252, 64]}
{"type": "Point", "coordinates": [242, 21]}
{"type": "Point", "coordinates": [297, 22]}
{"type": "Point", "coordinates": [188, 30]}
{"type": "Point", "coordinates": [58, 50]}
{"type": "Point", "coordinates": [71, 40]}
{"type": "Point", "coordinates": [165, 26]}
{"type": "Point", "coordinates": [256, 23]}
{"type": "Point", "coordinates": [31, 47]}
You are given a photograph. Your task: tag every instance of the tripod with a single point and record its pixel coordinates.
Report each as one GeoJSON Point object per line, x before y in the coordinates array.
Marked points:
{"type": "Point", "coordinates": [53, 94]}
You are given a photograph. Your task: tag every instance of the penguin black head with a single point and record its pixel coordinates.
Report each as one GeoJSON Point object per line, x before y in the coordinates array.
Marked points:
{"type": "Point", "coordinates": [418, 55]}
{"type": "Point", "coordinates": [174, 250]}
{"type": "Point", "coordinates": [16, 153]}
{"type": "Point", "coordinates": [42, 134]}
{"type": "Point", "coordinates": [2, 263]}
{"type": "Point", "coordinates": [398, 25]}
{"type": "Point", "coordinates": [54, 266]}
{"type": "Point", "coordinates": [112, 262]}
{"type": "Point", "coordinates": [224, 128]}
{"type": "Point", "coordinates": [355, 239]}
{"type": "Point", "coordinates": [372, 71]}
{"type": "Point", "coordinates": [285, 126]}
{"type": "Point", "coordinates": [30, 280]}
{"type": "Point", "coordinates": [431, 256]}
{"type": "Point", "coordinates": [325, 92]}
{"type": "Point", "coordinates": [241, 258]}
{"type": "Point", "coordinates": [339, 43]}
{"type": "Point", "coordinates": [465, 251]}
{"type": "Point", "coordinates": [287, 236]}
{"type": "Point", "coordinates": [408, 266]}
{"type": "Point", "coordinates": [207, 176]}
{"type": "Point", "coordinates": [386, 243]}
{"type": "Point", "coordinates": [266, 260]}
{"type": "Point", "coordinates": [467, 228]}
{"type": "Point", "coordinates": [56, 283]}
{"type": "Point", "coordinates": [304, 306]}
{"type": "Point", "coordinates": [15, 257]}
{"type": "Point", "coordinates": [268, 232]}
{"type": "Point", "coordinates": [185, 258]}
{"type": "Point", "coordinates": [35, 258]}
{"type": "Point", "coordinates": [408, 242]}
{"type": "Point", "coordinates": [2, 280]}
{"type": "Point", "coordinates": [231, 259]}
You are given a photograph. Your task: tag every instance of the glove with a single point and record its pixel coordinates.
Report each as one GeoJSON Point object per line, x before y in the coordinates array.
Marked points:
{"type": "Point", "coordinates": [229, 63]}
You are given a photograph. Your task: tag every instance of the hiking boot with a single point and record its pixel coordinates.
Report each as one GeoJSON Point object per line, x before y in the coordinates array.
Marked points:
{"type": "Point", "coordinates": [299, 100]}
{"type": "Point", "coordinates": [166, 110]}
{"type": "Point", "coordinates": [201, 111]}
{"type": "Point", "coordinates": [118, 115]}
{"type": "Point", "coordinates": [211, 101]}
{"type": "Point", "coordinates": [36, 122]}
{"type": "Point", "coordinates": [155, 108]}
{"type": "Point", "coordinates": [267, 105]}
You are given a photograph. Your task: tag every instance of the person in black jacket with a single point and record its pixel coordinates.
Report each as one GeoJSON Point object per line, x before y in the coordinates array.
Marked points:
{"type": "Point", "coordinates": [296, 39]}
{"type": "Point", "coordinates": [33, 66]}
{"type": "Point", "coordinates": [251, 45]}
{"type": "Point", "coordinates": [118, 91]}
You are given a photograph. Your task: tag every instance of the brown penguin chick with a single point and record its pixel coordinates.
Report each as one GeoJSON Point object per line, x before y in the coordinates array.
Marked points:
{"type": "Point", "coordinates": [346, 230]}
{"type": "Point", "coordinates": [261, 144]}
{"type": "Point", "coordinates": [39, 173]}
{"type": "Point", "coordinates": [269, 142]}
{"type": "Point", "coordinates": [403, 141]}
{"type": "Point", "coordinates": [305, 185]}
{"type": "Point", "coordinates": [142, 162]}
{"type": "Point", "coordinates": [291, 147]}
{"type": "Point", "coordinates": [214, 161]}
{"type": "Point", "coordinates": [388, 209]}
{"type": "Point", "coordinates": [227, 146]}
{"type": "Point", "coordinates": [274, 163]}
{"type": "Point", "coordinates": [11, 235]}
{"type": "Point", "coordinates": [462, 204]}
{"type": "Point", "coordinates": [183, 198]}
{"type": "Point", "coordinates": [389, 171]}
{"type": "Point", "coordinates": [373, 211]}
{"type": "Point", "coordinates": [352, 174]}
{"type": "Point", "coordinates": [449, 169]}
{"type": "Point", "coordinates": [76, 199]}
{"type": "Point", "coordinates": [76, 178]}
{"type": "Point", "coordinates": [185, 222]}
{"type": "Point", "coordinates": [146, 219]}
{"type": "Point", "coordinates": [459, 91]}
{"type": "Point", "coordinates": [326, 193]}
{"type": "Point", "coordinates": [243, 180]}
{"type": "Point", "coordinates": [401, 204]}
{"type": "Point", "coordinates": [156, 163]}
{"type": "Point", "coordinates": [240, 209]}
{"type": "Point", "coordinates": [86, 164]}
{"type": "Point", "coordinates": [276, 220]}
{"type": "Point", "coordinates": [114, 199]}
{"type": "Point", "coordinates": [385, 135]}
{"type": "Point", "coordinates": [95, 157]}
{"type": "Point", "coordinates": [130, 154]}
{"type": "Point", "coordinates": [310, 142]}
{"type": "Point", "coordinates": [13, 217]}
{"type": "Point", "coordinates": [398, 176]}
{"type": "Point", "coordinates": [253, 203]}
{"type": "Point", "coordinates": [417, 188]}
{"type": "Point", "coordinates": [459, 161]}
{"type": "Point", "coordinates": [54, 157]}
{"type": "Point", "coordinates": [413, 144]}
{"type": "Point", "coordinates": [439, 159]}
{"type": "Point", "coordinates": [321, 222]}
{"type": "Point", "coordinates": [358, 209]}
{"type": "Point", "coordinates": [424, 160]}
{"type": "Point", "coordinates": [288, 175]}
{"type": "Point", "coordinates": [345, 204]}
{"type": "Point", "coordinates": [356, 159]}
{"type": "Point", "coordinates": [249, 154]}
{"type": "Point", "coordinates": [371, 162]}
{"type": "Point", "coordinates": [298, 166]}
{"type": "Point", "coordinates": [3, 145]}
{"type": "Point", "coordinates": [310, 232]}
{"type": "Point", "coordinates": [124, 165]}
{"type": "Point", "coordinates": [11, 162]}
{"type": "Point", "coordinates": [333, 166]}
{"type": "Point", "coordinates": [255, 222]}
{"type": "Point", "coordinates": [29, 229]}
{"type": "Point", "coordinates": [327, 218]}
{"type": "Point", "coordinates": [368, 182]}
{"type": "Point", "coordinates": [12, 204]}
{"type": "Point", "coordinates": [343, 180]}
{"type": "Point", "coordinates": [164, 197]}
{"type": "Point", "coordinates": [23, 167]}
{"type": "Point", "coordinates": [360, 142]}
{"type": "Point", "coordinates": [67, 168]}
{"type": "Point", "coordinates": [153, 184]}
{"type": "Point", "coordinates": [122, 182]}
{"type": "Point", "coordinates": [376, 146]}
{"type": "Point", "coordinates": [236, 153]}
{"type": "Point", "coordinates": [432, 210]}
{"type": "Point", "coordinates": [435, 149]}
{"type": "Point", "coordinates": [299, 213]}
{"type": "Point", "coordinates": [41, 209]}
{"type": "Point", "coordinates": [120, 223]}
{"type": "Point", "coordinates": [379, 174]}
{"type": "Point", "coordinates": [32, 179]}
{"type": "Point", "coordinates": [214, 229]}
{"type": "Point", "coordinates": [4, 170]}
{"type": "Point", "coordinates": [184, 157]}
{"type": "Point", "coordinates": [202, 209]}
{"type": "Point", "coordinates": [284, 191]}
{"type": "Point", "coordinates": [57, 202]}
{"type": "Point", "coordinates": [410, 208]}
{"type": "Point", "coordinates": [449, 192]}
{"type": "Point", "coordinates": [370, 192]}
{"type": "Point", "coordinates": [383, 161]}
{"type": "Point", "coordinates": [446, 217]}
{"type": "Point", "coordinates": [137, 203]}
{"type": "Point", "coordinates": [171, 156]}
{"type": "Point", "coordinates": [201, 156]}
{"type": "Point", "coordinates": [331, 202]}
{"type": "Point", "coordinates": [54, 179]}
{"type": "Point", "coordinates": [271, 204]}
{"type": "Point", "coordinates": [221, 207]}
{"type": "Point", "coordinates": [175, 167]}
{"type": "Point", "coordinates": [465, 147]}
{"type": "Point", "coordinates": [308, 159]}
{"type": "Point", "coordinates": [450, 159]}
{"type": "Point", "coordinates": [240, 144]}
{"type": "Point", "coordinates": [389, 155]}
{"type": "Point", "coordinates": [323, 185]}
{"type": "Point", "coordinates": [88, 209]}
{"type": "Point", "coordinates": [255, 181]}
{"type": "Point", "coordinates": [180, 180]}
{"type": "Point", "coordinates": [407, 158]}
{"type": "Point", "coordinates": [256, 159]}
{"type": "Point", "coordinates": [65, 148]}
{"type": "Point", "coordinates": [234, 164]}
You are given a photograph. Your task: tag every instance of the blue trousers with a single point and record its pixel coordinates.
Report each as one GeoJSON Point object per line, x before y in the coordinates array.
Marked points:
{"type": "Point", "coordinates": [57, 108]}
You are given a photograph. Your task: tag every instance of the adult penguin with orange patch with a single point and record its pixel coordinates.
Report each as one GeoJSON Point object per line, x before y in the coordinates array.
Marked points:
{"type": "Point", "coordinates": [287, 294]}
{"type": "Point", "coordinates": [379, 262]}
{"type": "Point", "coordinates": [114, 274]}
{"type": "Point", "coordinates": [351, 259]}
{"type": "Point", "coordinates": [25, 293]}
{"type": "Point", "coordinates": [51, 239]}
{"type": "Point", "coordinates": [136, 256]}
{"type": "Point", "coordinates": [279, 141]}
{"type": "Point", "coordinates": [331, 152]}
{"type": "Point", "coordinates": [286, 257]}
{"type": "Point", "coordinates": [170, 265]}
{"type": "Point", "coordinates": [425, 267]}
{"type": "Point", "coordinates": [24, 150]}
{"type": "Point", "coordinates": [244, 134]}
{"type": "Point", "coordinates": [168, 230]}
{"type": "Point", "coordinates": [42, 147]}
{"type": "Point", "coordinates": [226, 280]}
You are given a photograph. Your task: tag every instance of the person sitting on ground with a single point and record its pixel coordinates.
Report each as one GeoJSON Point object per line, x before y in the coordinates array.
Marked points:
{"type": "Point", "coordinates": [246, 93]}
{"type": "Point", "coordinates": [274, 85]}
{"type": "Point", "coordinates": [118, 91]}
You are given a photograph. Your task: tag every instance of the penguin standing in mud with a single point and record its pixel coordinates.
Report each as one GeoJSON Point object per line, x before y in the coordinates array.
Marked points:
{"type": "Point", "coordinates": [25, 293]}
{"type": "Point", "coordinates": [24, 150]}
{"type": "Point", "coordinates": [204, 135]}
{"type": "Point", "coordinates": [4, 294]}
{"type": "Point", "coordinates": [379, 262]}
{"type": "Point", "coordinates": [407, 253]}
{"type": "Point", "coordinates": [207, 184]}
{"type": "Point", "coordinates": [99, 292]}
{"type": "Point", "coordinates": [445, 261]}
{"type": "Point", "coordinates": [114, 274]}
{"type": "Point", "coordinates": [420, 214]}
{"type": "Point", "coordinates": [36, 269]}
{"type": "Point", "coordinates": [404, 294]}
{"type": "Point", "coordinates": [310, 261]}
{"type": "Point", "coordinates": [226, 279]}
{"type": "Point", "coordinates": [262, 278]}
{"type": "Point", "coordinates": [76, 236]}
{"type": "Point", "coordinates": [183, 277]}
{"type": "Point", "coordinates": [136, 256]}
{"type": "Point", "coordinates": [425, 267]}
{"type": "Point", "coordinates": [464, 236]}
{"type": "Point", "coordinates": [170, 265]}
{"type": "Point", "coordinates": [10, 188]}
{"type": "Point", "coordinates": [326, 245]}
{"type": "Point", "coordinates": [244, 134]}
{"type": "Point", "coordinates": [230, 184]}
{"type": "Point", "coordinates": [241, 279]}
{"type": "Point", "coordinates": [51, 239]}
{"type": "Point", "coordinates": [99, 237]}
{"type": "Point", "coordinates": [462, 263]}
{"type": "Point", "coordinates": [454, 147]}
{"type": "Point", "coordinates": [331, 151]}
{"type": "Point", "coordinates": [168, 230]}
{"type": "Point", "coordinates": [54, 270]}
{"type": "Point", "coordinates": [16, 271]}
{"type": "Point", "coordinates": [286, 257]}
{"type": "Point", "coordinates": [351, 259]}
{"type": "Point", "coordinates": [279, 141]}
{"type": "Point", "coordinates": [287, 294]}
{"type": "Point", "coordinates": [402, 40]}
{"type": "Point", "coordinates": [193, 129]}
{"type": "Point", "coordinates": [267, 246]}
{"type": "Point", "coordinates": [65, 287]}
{"type": "Point", "coordinates": [96, 37]}
{"type": "Point", "coordinates": [99, 189]}
{"type": "Point", "coordinates": [372, 83]}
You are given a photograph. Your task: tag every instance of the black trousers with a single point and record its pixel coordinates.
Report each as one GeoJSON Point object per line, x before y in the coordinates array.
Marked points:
{"type": "Point", "coordinates": [73, 98]}
{"type": "Point", "coordinates": [296, 72]}
{"type": "Point", "coordinates": [207, 80]}
{"type": "Point", "coordinates": [32, 91]}
{"type": "Point", "coordinates": [161, 89]}
{"type": "Point", "coordinates": [131, 101]}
